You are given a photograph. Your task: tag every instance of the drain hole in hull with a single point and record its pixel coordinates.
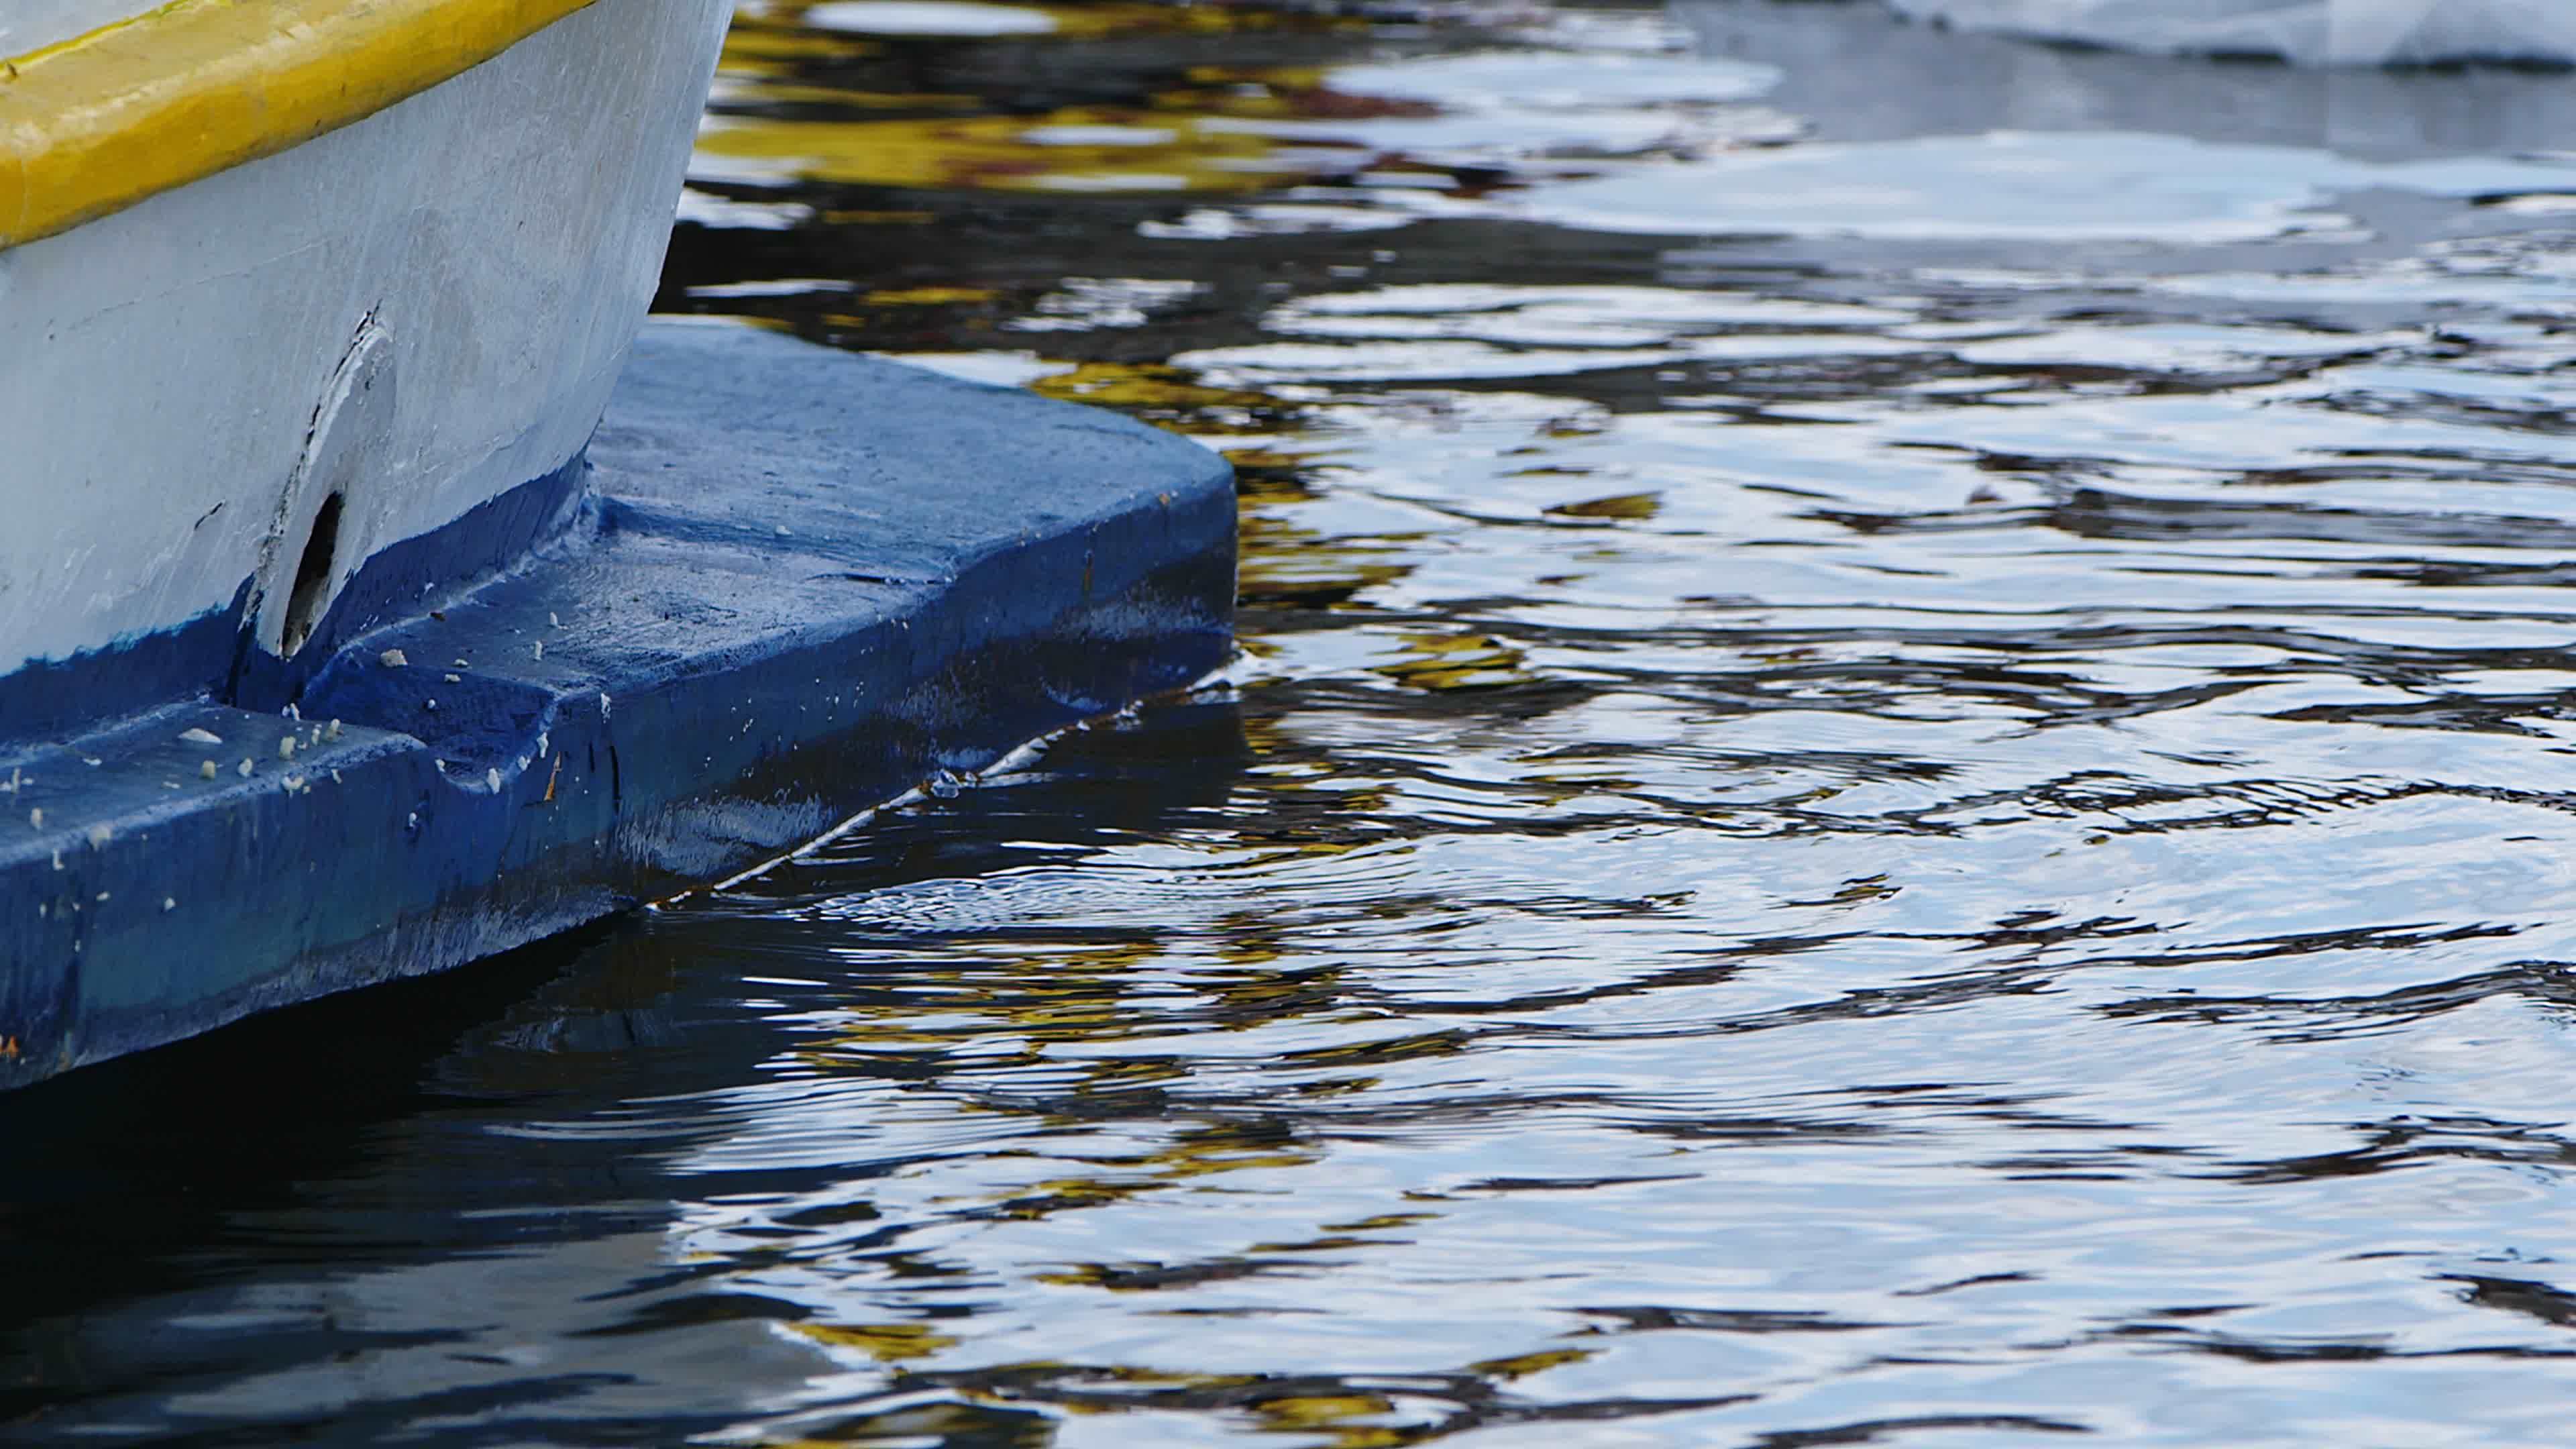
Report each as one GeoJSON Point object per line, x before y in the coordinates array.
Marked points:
{"type": "Point", "coordinates": [312, 576]}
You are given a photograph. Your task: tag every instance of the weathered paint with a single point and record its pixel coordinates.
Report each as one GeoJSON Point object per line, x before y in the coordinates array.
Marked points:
{"type": "Point", "coordinates": [801, 583]}
{"type": "Point", "coordinates": [150, 103]}
{"type": "Point", "coordinates": [217, 655]}
{"type": "Point", "coordinates": [165, 366]}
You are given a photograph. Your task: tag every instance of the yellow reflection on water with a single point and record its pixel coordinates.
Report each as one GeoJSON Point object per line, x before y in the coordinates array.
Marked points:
{"type": "Point", "coordinates": [929, 296]}
{"type": "Point", "coordinates": [1079, 148]}
{"type": "Point", "coordinates": [1199, 137]}
{"type": "Point", "coordinates": [1167, 397]}
{"type": "Point", "coordinates": [754, 49]}
{"type": "Point", "coordinates": [1632, 507]}
{"type": "Point", "coordinates": [1432, 660]}
{"type": "Point", "coordinates": [1524, 1364]}
{"type": "Point", "coordinates": [884, 1342]}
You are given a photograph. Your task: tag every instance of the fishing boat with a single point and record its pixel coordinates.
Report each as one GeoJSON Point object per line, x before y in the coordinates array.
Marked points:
{"type": "Point", "coordinates": [340, 639]}
{"type": "Point", "coordinates": [287, 283]}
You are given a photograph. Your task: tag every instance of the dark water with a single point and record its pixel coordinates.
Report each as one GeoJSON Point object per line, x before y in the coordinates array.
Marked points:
{"type": "Point", "coordinates": [1901, 775]}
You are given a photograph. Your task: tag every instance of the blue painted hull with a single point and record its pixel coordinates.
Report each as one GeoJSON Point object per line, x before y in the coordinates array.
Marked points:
{"type": "Point", "coordinates": [786, 584]}
{"type": "Point", "coordinates": [215, 656]}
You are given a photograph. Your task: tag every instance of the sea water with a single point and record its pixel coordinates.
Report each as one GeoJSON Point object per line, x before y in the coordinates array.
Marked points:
{"type": "Point", "coordinates": [1901, 773]}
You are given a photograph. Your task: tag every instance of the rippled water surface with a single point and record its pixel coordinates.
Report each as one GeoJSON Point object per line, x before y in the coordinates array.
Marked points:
{"type": "Point", "coordinates": [1901, 774]}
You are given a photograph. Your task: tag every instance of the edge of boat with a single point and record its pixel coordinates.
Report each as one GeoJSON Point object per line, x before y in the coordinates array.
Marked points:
{"type": "Point", "coordinates": [366, 610]}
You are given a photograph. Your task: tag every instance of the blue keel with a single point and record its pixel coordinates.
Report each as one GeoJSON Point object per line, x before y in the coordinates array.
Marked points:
{"type": "Point", "coordinates": [802, 582]}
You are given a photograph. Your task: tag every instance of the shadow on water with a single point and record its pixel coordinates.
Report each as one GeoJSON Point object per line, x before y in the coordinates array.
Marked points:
{"type": "Point", "coordinates": [135, 1161]}
{"type": "Point", "coordinates": [381, 1134]}
{"type": "Point", "coordinates": [149, 1177]}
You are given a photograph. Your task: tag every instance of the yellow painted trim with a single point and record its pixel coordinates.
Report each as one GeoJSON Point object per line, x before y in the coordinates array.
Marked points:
{"type": "Point", "coordinates": [100, 122]}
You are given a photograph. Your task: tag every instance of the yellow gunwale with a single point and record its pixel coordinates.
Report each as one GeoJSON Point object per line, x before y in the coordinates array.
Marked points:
{"type": "Point", "coordinates": [94, 124]}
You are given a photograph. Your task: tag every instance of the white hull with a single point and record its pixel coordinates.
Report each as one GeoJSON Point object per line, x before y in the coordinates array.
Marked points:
{"type": "Point", "coordinates": [462, 271]}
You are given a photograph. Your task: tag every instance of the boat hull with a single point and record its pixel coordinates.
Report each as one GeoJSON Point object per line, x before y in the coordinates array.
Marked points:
{"type": "Point", "coordinates": [341, 641]}
{"type": "Point", "coordinates": [803, 583]}
{"type": "Point", "coordinates": [383, 328]}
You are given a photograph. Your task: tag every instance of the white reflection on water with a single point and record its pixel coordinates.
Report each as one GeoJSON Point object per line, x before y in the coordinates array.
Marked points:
{"type": "Point", "coordinates": [2021, 186]}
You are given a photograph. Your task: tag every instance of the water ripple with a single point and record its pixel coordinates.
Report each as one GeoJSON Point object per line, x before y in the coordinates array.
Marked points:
{"type": "Point", "coordinates": [1899, 775]}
